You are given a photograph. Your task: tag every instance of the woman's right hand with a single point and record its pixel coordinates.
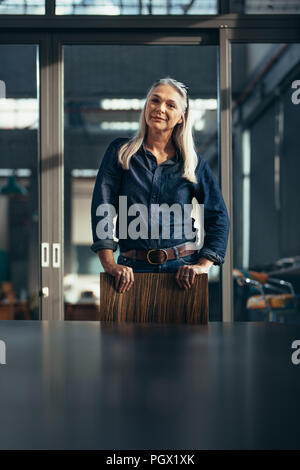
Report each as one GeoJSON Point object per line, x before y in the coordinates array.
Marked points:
{"type": "Point", "coordinates": [123, 275]}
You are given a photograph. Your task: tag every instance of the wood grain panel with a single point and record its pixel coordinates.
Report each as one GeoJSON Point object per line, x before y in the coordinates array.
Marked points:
{"type": "Point", "coordinates": [154, 297]}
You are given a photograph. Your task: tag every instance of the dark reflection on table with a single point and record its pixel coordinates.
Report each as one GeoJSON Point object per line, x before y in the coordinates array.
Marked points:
{"type": "Point", "coordinates": [127, 386]}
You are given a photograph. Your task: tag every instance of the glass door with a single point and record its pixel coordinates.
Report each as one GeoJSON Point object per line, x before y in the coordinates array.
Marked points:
{"type": "Point", "coordinates": [103, 98]}
{"type": "Point", "coordinates": [19, 182]}
{"type": "Point", "coordinates": [266, 191]}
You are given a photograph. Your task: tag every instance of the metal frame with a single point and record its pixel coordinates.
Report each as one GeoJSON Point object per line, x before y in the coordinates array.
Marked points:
{"type": "Point", "coordinates": [50, 33]}
{"type": "Point", "coordinates": [50, 169]}
{"type": "Point", "coordinates": [156, 22]}
{"type": "Point", "coordinates": [225, 165]}
{"type": "Point", "coordinates": [50, 7]}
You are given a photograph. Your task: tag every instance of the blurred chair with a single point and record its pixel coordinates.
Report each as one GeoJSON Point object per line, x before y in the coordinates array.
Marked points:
{"type": "Point", "coordinates": [281, 304]}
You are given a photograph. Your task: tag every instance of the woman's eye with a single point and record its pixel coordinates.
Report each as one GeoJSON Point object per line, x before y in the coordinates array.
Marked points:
{"type": "Point", "coordinates": [154, 100]}
{"type": "Point", "coordinates": [172, 105]}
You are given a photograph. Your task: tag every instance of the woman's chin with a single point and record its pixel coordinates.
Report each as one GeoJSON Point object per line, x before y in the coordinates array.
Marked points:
{"type": "Point", "coordinates": [157, 125]}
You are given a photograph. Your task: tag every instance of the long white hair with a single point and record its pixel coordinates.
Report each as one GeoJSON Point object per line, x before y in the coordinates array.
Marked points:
{"type": "Point", "coordinates": [182, 133]}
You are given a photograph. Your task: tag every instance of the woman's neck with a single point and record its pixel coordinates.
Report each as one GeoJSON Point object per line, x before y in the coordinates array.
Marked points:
{"type": "Point", "coordinates": [160, 144]}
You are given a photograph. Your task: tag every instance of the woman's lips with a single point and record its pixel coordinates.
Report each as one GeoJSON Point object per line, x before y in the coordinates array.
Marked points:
{"type": "Point", "coordinates": [158, 118]}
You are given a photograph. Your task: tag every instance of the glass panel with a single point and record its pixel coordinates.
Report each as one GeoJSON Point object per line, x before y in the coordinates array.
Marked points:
{"type": "Point", "coordinates": [136, 7]}
{"type": "Point", "coordinates": [266, 97]}
{"type": "Point", "coordinates": [19, 234]}
{"type": "Point", "coordinates": [102, 104]}
{"type": "Point", "coordinates": [264, 7]}
{"type": "Point", "coordinates": [22, 7]}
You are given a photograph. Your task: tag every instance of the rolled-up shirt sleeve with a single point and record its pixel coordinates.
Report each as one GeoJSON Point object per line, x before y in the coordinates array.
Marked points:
{"type": "Point", "coordinates": [216, 220]}
{"type": "Point", "coordinates": [105, 198]}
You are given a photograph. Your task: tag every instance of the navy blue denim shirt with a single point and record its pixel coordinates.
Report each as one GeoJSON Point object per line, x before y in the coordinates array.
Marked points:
{"type": "Point", "coordinates": [148, 183]}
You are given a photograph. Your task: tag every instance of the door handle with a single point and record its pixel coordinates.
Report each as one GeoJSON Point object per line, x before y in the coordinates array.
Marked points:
{"type": "Point", "coordinates": [45, 255]}
{"type": "Point", "coordinates": [56, 255]}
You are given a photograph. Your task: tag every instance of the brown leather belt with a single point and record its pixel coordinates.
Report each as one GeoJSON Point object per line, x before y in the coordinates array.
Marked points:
{"type": "Point", "coordinates": [160, 255]}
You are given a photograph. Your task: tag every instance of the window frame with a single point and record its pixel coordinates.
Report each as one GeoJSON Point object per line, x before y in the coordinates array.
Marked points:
{"type": "Point", "coordinates": [52, 32]}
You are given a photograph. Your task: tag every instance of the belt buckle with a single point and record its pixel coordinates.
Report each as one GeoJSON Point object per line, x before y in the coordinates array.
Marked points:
{"type": "Point", "coordinates": [159, 249]}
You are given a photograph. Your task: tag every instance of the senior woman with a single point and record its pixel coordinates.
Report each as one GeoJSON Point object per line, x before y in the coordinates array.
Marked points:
{"type": "Point", "coordinates": [157, 168]}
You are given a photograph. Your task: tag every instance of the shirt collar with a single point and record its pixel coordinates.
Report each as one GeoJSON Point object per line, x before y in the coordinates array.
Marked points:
{"type": "Point", "coordinates": [170, 161]}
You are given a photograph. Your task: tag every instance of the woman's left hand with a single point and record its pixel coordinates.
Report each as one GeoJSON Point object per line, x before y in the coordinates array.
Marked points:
{"type": "Point", "coordinates": [186, 275]}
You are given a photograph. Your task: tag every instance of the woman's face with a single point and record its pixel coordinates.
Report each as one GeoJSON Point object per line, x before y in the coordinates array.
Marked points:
{"type": "Point", "coordinates": [164, 108]}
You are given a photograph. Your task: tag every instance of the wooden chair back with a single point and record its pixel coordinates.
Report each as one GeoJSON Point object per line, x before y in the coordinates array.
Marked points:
{"type": "Point", "coordinates": [154, 297]}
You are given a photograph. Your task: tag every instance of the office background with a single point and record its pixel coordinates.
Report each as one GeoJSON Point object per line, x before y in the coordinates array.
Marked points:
{"type": "Point", "coordinates": [74, 76]}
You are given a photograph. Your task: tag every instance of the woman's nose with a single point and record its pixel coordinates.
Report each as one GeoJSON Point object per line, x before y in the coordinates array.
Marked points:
{"type": "Point", "coordinates": [162, 107]}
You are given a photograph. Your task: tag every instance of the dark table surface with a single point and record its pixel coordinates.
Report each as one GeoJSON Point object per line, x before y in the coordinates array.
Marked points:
{"type": "Point", "coordinates": [85, 385]}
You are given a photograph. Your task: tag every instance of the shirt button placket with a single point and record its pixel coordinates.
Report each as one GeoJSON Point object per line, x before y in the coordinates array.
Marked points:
{"type": "Point", "coordinates": [155, 185]}
{"type": "Point", "coordinates": [155, 194]}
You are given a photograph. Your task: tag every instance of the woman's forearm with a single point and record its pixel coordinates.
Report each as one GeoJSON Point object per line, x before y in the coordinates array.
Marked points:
{"type": "Point", "coordinates": [106, 258]}
{"type": "Point", "coordinates": [207, 263]}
